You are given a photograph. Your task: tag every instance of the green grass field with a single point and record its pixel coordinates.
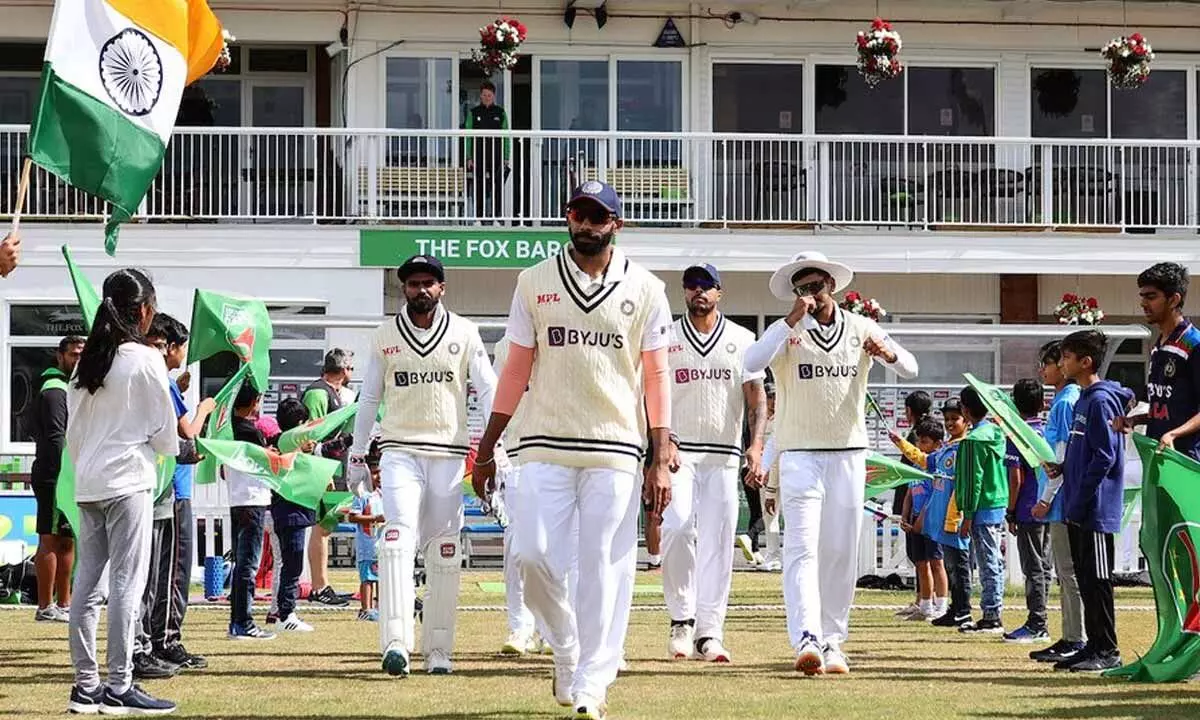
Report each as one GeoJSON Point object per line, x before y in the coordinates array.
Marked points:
{"type": "Point", "coordinates": [901, 670]}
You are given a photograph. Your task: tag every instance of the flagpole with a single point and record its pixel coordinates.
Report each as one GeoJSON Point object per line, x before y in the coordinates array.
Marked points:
{"type": "Point", "coordinates": [22, 192]}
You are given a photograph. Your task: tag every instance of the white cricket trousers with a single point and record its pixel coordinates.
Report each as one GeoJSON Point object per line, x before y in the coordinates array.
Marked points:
{"type": "Point", "coordinates": [520, 619]}
{"type": "Point", "coordinates": [822, 496]}
{"type": "Point", "coordinates": [423, 498]}
{"type": "Point", "coordinates": [698, 528]}
{"type": "Point", "coordinates": [552, 500]}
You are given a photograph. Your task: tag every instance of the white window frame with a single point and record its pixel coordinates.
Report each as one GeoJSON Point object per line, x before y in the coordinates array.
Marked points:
{"type": "Point", "coordinates": [7, 342]}
{"type": "Point", "coordinates": [431, 54]}
{"type": "Point", "coordinates": [681, 57]}
{"type": "Point", "coordinates": [947, 345]}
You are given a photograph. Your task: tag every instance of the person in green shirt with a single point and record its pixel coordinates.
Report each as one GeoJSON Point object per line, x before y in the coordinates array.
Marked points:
{"type": "Point", "coordinates": [488, 158]}
{"type": "Point", "coordinates": [981, 491]}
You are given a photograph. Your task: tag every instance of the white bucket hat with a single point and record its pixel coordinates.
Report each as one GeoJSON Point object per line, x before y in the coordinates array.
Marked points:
{"type": "Point", "coordinates": [781, 281]}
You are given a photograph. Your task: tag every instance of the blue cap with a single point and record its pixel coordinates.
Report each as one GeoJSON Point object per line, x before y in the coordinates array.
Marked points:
{"type": "Point", "coordinates": [600, 193]}
{"type": "Point", "coordinates": [704, 269]}
{"type": "Point", "coordinates": [421, 263]}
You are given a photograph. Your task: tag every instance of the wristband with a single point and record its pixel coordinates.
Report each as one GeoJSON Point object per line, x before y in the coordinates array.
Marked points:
{"type": "Point", "coordinates": [485, 463]}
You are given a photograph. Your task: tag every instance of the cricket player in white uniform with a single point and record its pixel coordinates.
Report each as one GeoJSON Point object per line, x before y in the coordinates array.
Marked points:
{"type": "Point", "coordinates": [820, 357]}
{"type": "Point", "coordinates": [710, 394]}
{"type": "Point", "coordinates": [769, 494]}
{"type": "Point", "coordinates": [419, 365]}
{"type": "Point", "coordinates": [600, 326]}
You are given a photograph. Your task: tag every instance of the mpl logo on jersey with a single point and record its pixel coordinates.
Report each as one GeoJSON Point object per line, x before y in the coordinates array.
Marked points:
{"type": "Point", "coordinates": [808, 371]}
{"type": "Point", "coordinates": [547, 298]}
{"type": "Point", "coordinates": [687, 375]}
{"type": "Point", "coordinates": [411, 378]}
{"type": "Point", "coordinates": [559, 336]}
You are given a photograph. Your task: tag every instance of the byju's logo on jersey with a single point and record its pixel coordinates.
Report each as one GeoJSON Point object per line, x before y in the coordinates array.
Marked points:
{"type": "Point", "coordinates": [687, 375]}
{"type": "Point", "coordinates": [409, 379]}
{"type": "Point", "coordinates": [809, 371]}
{"type": "Point", "coordinates": [559, 336]}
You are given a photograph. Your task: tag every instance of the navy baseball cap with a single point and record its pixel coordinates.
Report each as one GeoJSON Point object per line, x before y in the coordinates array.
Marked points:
{"type": "Point", "coordinates": [703, 270]}
{"type": "Point", "coordinates": [421, 263]}
{"type": "Point", "coordinates": [600, 193]}
{"type": "Point", "coordinates": [953, 405]}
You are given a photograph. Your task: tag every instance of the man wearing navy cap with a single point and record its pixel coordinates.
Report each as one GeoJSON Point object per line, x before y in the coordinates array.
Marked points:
{"type": "Point", "coordinates": [600, 326]}
{"type": "Point", "coordinates": [710, 394]}
{"type": "Point", "coordinates": [418, 366]}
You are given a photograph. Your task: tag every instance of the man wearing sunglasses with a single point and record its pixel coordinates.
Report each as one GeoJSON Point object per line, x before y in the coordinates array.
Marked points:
{"type": "Point", "coordinates": [710, 394]}
{"type": "Point", "coordinates": [600, 326]}
{"type": "Point", "coordinates": [820, 357]}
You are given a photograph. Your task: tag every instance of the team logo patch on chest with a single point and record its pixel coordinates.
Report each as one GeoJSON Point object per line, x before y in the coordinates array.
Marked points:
{"type": "Point", "coordinates": [454, 348]}
{"type": "Point", "coordinates": [1169, 368]}
{"type": "Point", "coordinates": [412, 378]}
{"type": "Point", "coordinates": [627, 307]}
{"type": "Point", "coordinates": [547, 298]}
{"type": "Point", "coordinates": [731, 348]}
{"type": "Point", "coordinates": [687, 375]}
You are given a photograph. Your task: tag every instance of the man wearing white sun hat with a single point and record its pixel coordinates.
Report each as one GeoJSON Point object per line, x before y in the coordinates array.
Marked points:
{"type": "Point", "coordinates": [821, 357]}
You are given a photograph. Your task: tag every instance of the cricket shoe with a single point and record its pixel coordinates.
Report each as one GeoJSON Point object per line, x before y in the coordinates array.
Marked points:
{"type": "Point", "coordinates": [711, 650]}
{"type": "Point", "coordinates": [438, 662]}
{"type": "Point", "coordinates": [809, 658]}
{"type": "Point", "coordinates": [835, 660]}
{"type": "Point", "coordinates": [560, 683]}
{"type": "Point", "coordinates": [769, 564]}
{"type": "Point", "coordinates": [747, 547]}
{"type": "Point", "coordinates": [518, 643]}
{"type": "Point", "coordinates": [395, 660]}
{"type": "Point", "coordinates": [539, 646]}
{"type": "Point", "coordinates": [589, 708]}
{"type": "Point", "coordinates": [682, 639]}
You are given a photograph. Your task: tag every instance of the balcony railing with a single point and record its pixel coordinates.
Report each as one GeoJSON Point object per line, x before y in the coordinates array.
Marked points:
{"type": "Point", "coordinates": [666, 179]}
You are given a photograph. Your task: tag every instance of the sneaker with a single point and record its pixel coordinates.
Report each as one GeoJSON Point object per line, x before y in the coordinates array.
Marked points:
{"type": "Point", "coordinates": [148, 667]}
{"type": "Point", "coordinates": [51, 613]}
{"type": "Point", "coordinates": [560, 683]}
{"type": "Point", "coordinates": [518, 643]}
{"type": "Point", "coordinates": [952, 620]}
{"type": "Point", "coordinates": [1067, 663]}
{"type": "Point", "coordinates": [907, 610]}
{"type": "Point", "coordinates": [921, 615]}
{"type": "Point", "coordinates": [1097, 663]}
{"type": "Point", "coordinates": [83, 702]}
{"type": "Point", "coordinates": [711, 650]}
{"type": "Point", "coordinates": [328, 596]}
{"type": "Point", "coordinates": [249, 632]}
{"type": "Point", "coordinates": [1061, 650]}
{"type": "Point", "coordinates": [539, 646]}
{"type": "Point", "coordinates": [769, 565]}
{"type": "Point", "coordinates": [682, 639]}
{"type": "Point", "coordinates": [654, 562]}
{"type": "Point", "coordinates": [438, 662]}
{"type": "Point", "coordinates": [809, 658]}
{"type": "Point", "coordinates": [178, 655]}
{"type": "Point", "coordinates": [134, 701]}
{"type": "Point", "coordinates": [989, 626]}
{"type": "Point", "coordinates": [589, 708]}
{"type": "Point", "coordinates": [1024, 635]}
{"type": "Point", "coordinates": [835, 660]}
{"type": "Point", "coordinates": [395, 660]}
{"type": "Point", "coordinates": [295, 624]}
{"type": "Point", "coordinates": [747, 547]}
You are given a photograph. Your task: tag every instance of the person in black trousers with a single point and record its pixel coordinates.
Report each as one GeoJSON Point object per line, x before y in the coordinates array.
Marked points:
{"type": "Point", "coordinates": [488, 158]}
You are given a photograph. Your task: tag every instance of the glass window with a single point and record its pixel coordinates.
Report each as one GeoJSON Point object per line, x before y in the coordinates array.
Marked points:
{"type": "Point", "coordinates": [284, 331]}
{"type": "Point", "coordinates": [211, 102]}
{"type": "Point", "coordinates": [279, 60]}
{"type": "Point", "coordinates": [845, 104]}
{"type": "Point", "coordinates": [470, 77]}
{"type": "Point", "coordinates": [22, 57]}
{"type": "Point", "coordinates": [55, 321]}
{"type": "Point", "coordinates": [951, 101]}
{"type": "Point", "coordinates": [1155, 111]}
{"type": "Point", "coordinates": [649, 96]}
{"type": "Point", "coordinates": [49, 323]}
{"type": "Point", "coordinates": [574, 94]}
{"type": "Point", "coordinates": [1067, 103]}
{"type": "Point", "coordinates": [18, 97]}
{"type": "Point", "coordinates": [758, 97]}
{"type": "Point", "coordinates": [419, 93]}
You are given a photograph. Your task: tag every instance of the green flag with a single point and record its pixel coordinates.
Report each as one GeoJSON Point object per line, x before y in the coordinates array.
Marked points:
{"type": "Point", "coordinates": [316, 430]}
{"type": "Point", "coordinates": [85, 291]}
{"type": "Point", "coordinates": [299, 478]}
{"type": "Point", "coordinates": [336, 502]}
{"type": "Point", "coordinates": [1169, 540]}
{"type": "Point", "coordinates": [239, 325]}
{"type": "Point", "coordinates": [164, 475]}
{"type": "Point", "coordinates": [884, 473]}
{"type": "Point", "coordinates": [1032, 446]}
{"type": "Point", "coordinates": [64, 492]}
{"type": "Point", "coordinates": [219, 425]}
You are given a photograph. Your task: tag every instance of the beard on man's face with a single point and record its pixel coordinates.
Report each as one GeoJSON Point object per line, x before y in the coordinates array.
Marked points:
{"type": "Point", "coordinates": [423, 303]}
{"type": "Point", "coordinates": [699, 305]}
{"type": "Point", "coordinates": [590, 243]}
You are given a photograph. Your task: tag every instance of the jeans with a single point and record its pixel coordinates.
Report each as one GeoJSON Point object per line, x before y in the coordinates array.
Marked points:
{"type": "Point", "coordinates": [291, 564]}
{"type": "Point", "coordinates": [985, 539]}
{"type": "Point", "coordinates": [1033, 546]}
{"type": "Point", "coordinates": [247, 538]}
{"type": "Point", "coordinates": [958, 567]}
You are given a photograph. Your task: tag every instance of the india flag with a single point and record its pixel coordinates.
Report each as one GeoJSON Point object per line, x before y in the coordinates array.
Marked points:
{"type": "Point", "coordinates": [111, 83]}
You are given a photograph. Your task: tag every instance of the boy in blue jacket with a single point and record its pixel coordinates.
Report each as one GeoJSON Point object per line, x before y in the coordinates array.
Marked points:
{"type": "Point", "coordinates": [1094, 470]}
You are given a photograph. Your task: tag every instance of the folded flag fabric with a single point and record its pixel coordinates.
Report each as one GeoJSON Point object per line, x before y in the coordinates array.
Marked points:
{"type": "Point", "coordinates": [85, 291]}
{"type": "Point", "coordinates": [242, 326]}
{"type": "Point", "coordinates": [884, 473]}
{"type": "Point", "coordinates": [297, 477]}
{"type": "Point", "coordinates": [316, 430]}
{"type": "Point", "coordinates": [337, 503]}
{"type": "Point", "coordinates": [219, 425]}
{"type": "Point", "coordinates": [112, 78]}
{"type": "Point", "coordinates": [1029, 443]}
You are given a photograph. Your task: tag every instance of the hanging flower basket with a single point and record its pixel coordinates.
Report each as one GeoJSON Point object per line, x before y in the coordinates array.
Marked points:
{"type": "Point", "coordinates": [879, 53]}
{"type": "Point", "coordinates": [859, 305]}
{"type": "Point", "coordinates": [1128, 61]}
{"type": "Point", "coordinates": [224, 59]}
{"type": "Point", "coordinates": [1076, 310]}
{"type": "Point", "coordinates": [499, 45]}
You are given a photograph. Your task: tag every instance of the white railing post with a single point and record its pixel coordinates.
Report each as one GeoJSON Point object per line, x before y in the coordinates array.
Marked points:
{"type": "Point", "coordinates": [824, 179]}
{"type": "Point", "coordinates": [1047, 186]}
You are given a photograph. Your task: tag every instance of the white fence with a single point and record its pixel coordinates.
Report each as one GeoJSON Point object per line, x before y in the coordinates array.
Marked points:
{"type": "Point", "coordinates": [712, 179]}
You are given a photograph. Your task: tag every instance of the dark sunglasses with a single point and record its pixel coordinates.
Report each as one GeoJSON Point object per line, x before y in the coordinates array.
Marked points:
{"type": "Point", "coordinates": [701, 285]}
{"type": "Point", "coordinates": [812, 288]}
{"type": "Point", "coordinates": [595, 215]}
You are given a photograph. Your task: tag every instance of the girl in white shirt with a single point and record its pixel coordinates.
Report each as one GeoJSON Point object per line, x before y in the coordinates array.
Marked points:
{"type": "Point", "coordinates": [120, 418]}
